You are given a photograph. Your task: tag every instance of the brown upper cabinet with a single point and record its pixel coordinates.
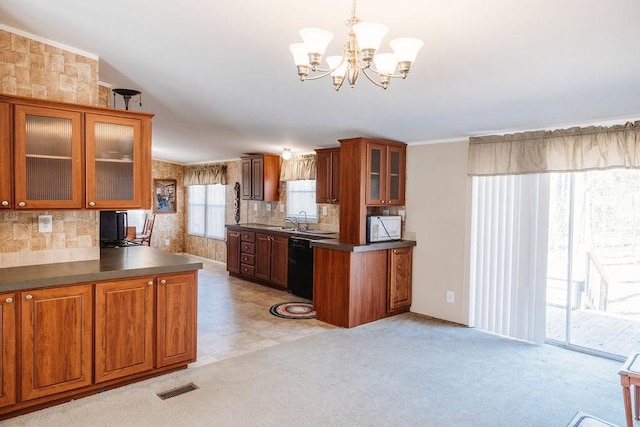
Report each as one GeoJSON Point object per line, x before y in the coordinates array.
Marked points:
{"type": "Point", "coordinates": [6, 171]}
{"type": "Point", "coordinates": [67, 156]}
{"type": "Point", "coordinates": [385, 174]}
{"type": "Point", "coordinates": [328, 175]}
{"type": "Point", "coordinates": [372, 173]}
{"type": "Point", "coordinates": [260, 177]}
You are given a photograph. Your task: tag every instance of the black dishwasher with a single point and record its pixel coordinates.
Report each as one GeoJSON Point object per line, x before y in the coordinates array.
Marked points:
{"type": "Point", "coordinates": [300, 267]}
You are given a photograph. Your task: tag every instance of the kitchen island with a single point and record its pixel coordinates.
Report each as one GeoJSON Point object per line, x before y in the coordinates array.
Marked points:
{"type": "Point", "coordinates": [76, 328]}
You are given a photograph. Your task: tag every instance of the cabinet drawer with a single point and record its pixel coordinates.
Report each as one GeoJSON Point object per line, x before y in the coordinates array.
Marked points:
{"type": "Point", "coordinates": [248, 236]}
{"type": "Point", "coordinates": [247, 248]}
{"type": "Point", "coordinates": [247, 270]}
{"type": "Point", "coordinates": [248, 259]}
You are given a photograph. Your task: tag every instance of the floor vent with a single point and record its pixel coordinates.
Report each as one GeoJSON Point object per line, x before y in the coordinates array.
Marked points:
{"type": "Point", "coordinates": [177, 391]}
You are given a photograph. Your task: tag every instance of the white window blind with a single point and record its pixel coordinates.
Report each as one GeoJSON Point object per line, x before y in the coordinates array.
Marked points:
{"type": "Point", "coordinates": [301, 197]}
{"type": "Point", "coordinates": [206, 210]}
{"type": "Point", "coordinates": [509, 234]}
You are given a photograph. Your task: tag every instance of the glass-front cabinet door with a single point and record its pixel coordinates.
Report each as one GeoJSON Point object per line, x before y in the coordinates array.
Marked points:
{"type": "Point", "coordinates": [6, 178]}
{"type": "Point", "coordinates": [375, 174]}
{"type": "Point", "coordinates": [48, 158]}
{"type": "Point", "coordinates": [113, 152]}
{"type": "Point", "coordinates": [395, 175]}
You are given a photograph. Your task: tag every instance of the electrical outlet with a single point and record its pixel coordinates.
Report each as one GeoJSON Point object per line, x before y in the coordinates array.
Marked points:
{"type": "Point", "coordinates": [325, 211]}
{"type": "Point", "coordinates": [45, 223]}
{"type": "Point", "coordinates": [167, 242]}
{"type": "Point", "coordinates": [281, 207]}
{"type": "Point", "coordinates": [255, 206]}
{"type": "Point", "coordinates": [401, 213]}
{"type": "Point", "coordinates": [451, 297]}
{"type": "Point", "coordinates": [268, 207]}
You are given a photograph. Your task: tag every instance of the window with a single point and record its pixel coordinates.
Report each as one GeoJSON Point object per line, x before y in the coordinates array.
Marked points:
{"type": "Point", "coordinates": [301, 197]}
{"type": "Point", "coordinates": [206, 210]}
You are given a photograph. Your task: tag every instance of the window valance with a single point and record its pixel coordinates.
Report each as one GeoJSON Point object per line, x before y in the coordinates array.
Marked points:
{"type": "Point", "coordinates": [298, 167]}
{"type": "Point", "coordinates": [205, 175]}
{"type": "Point", "coordinates": [574, 149]}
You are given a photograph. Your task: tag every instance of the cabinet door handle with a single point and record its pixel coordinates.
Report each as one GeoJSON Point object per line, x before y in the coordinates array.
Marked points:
{"type": "Point", "coordinates": [92, 203]}
{"type": "Point", "coordinates": [163, 281]}
{"type": "Point", "coordinates": [234, 234]}
{"type": "Point", "coordinates": [29, 297]}
{"type": "Point", "coordinates": [22, 204]}
{"type": "Point", "coordinates": [150, 283]}
{"type": "Point", "coordinates": [9, 300]}
{"type": "Point", "coordinates": [5, 203]}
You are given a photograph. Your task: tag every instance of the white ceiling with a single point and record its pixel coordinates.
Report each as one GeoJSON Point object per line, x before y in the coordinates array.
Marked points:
{"type": "Point", "coordinates": [220, 78]}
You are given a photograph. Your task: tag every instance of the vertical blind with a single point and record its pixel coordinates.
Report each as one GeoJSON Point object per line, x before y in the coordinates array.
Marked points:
{"type": "Point", "coordinates": [508, 272]}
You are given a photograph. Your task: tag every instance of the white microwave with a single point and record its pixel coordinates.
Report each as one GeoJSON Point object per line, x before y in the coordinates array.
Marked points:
{"type": "Point", "coordinates": [381, 228]}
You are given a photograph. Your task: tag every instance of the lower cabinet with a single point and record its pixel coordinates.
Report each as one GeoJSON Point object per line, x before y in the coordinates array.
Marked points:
{"type": "Point", "coordinates": [258, 257]}
{"type": "Point", "coordinates": [399, 292]}
{"type": "Point", "coordinates": [8, 348]}
{"type": "Point", "coordinates": [362, 286]}
{"type": "Point", "coordinates": [83, 338]}
{"type": "Point", "coordinates": [233, 251]}
{"type": "Point", "coordinates": [176, 318]}
{"type": "Point", "coordinates": [57, 345]}
{"type": "Point", "coordinates": [124, 328]}
{"type": "Point", "coordinates": [272, 258]}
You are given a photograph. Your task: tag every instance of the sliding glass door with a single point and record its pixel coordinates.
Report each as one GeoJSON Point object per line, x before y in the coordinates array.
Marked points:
{"type": "Point", "coordinates": [593, 266]}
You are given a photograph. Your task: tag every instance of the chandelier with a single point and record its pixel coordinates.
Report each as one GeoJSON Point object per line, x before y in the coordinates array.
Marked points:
{"type": "Point", "coordinates": [359, 54]}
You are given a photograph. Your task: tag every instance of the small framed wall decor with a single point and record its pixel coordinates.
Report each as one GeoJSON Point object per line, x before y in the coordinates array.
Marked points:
{"type": "Point", "coordinates": [164, 196]}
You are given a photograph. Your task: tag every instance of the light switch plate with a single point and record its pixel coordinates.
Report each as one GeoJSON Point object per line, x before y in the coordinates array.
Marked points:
{"type": "Point", "coordinates": [281, 207]}
{"type": "Point", "coordinates": [325, 211]}
{"type": "Point", "coordinates": [45, 223]}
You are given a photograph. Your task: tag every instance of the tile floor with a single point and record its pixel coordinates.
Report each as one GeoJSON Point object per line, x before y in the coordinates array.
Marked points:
{"type": "Point", "coordinates": [234, 318]}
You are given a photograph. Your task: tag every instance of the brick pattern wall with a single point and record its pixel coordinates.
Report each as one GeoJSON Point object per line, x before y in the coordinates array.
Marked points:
{"type": "Point", "coordinates": [33, 69]}
{"type": "Point", "coordinates": [37, 70]}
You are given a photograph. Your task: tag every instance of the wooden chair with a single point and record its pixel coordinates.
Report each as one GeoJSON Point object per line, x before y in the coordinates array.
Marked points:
{"type": "Point", "coordinates": [145, 236]}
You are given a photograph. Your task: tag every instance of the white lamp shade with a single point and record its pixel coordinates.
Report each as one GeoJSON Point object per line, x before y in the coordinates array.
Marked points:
{"type": "Point", "coordinates": [299, 52]}
{"type": "Point", "coordinates": [406, 48]}
{"type": "Point", "coordinates": [369, 34]}
{"type": "Point", "coordinates": [385, 63]}
{"type": "Point", "coordinates": [333, 62]}
{"type": "Point", "coordinates": [316, 40]}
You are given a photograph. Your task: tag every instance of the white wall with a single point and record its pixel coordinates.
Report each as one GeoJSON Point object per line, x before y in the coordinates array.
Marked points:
{"type": "Point", "coordinates": [438, 212]}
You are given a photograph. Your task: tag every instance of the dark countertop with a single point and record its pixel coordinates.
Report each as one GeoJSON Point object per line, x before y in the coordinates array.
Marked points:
{"type": "Point", "coordinates": [274, 229]}
{"type": "Point", "coordinates": [335, 244]}
{"type": "Point", "coordinates": [114, 263]}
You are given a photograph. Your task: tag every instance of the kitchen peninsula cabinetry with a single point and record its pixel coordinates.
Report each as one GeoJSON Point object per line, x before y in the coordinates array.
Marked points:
{"type": "Point", "coordinates": [328, 175]}
{"type": "Point", "coordinates": [260, 177]}
{"type": "Point", "coordinates": [272, 258]}
{"type": "Point", "coordinates": [8, 348]}
{"type": "Point", "coordinates": [6, 176]}
{"type": "Point", "coordinates": [69, 156]}
{"type": "Point", "coordinates": [365, 282]}
{"type": "Point", "coordinates": [80, 328]}
{"type": "Point", "coordinates": [57, 331]}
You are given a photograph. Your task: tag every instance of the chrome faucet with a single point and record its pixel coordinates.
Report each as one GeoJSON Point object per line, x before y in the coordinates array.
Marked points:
{"type": "Point", "coordinates": [292, 220]}
{"type": "Point", "coordinates": [304, 226]}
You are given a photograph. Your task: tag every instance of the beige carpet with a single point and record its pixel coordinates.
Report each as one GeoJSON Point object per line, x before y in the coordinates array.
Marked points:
{"type": "Point", "coordinates": [401, 371]}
